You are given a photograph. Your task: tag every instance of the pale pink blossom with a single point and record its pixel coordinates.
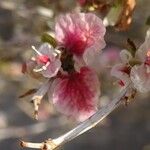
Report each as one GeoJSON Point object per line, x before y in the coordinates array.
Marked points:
{"type": "Point", "coordinates": [47, 62]}
{"type": "Point", "coordinates": [122, 71]}
{"type": "Point", "coordinates": [79, 33]}
{"type": "Point", "coordinates": [141, 78]}
{"type": "Point", "coordinates": [76, 94]}
{"type": "Point", "coordinates": [135, 70]}
{"type": "Point", "coordinates": [140, 74]}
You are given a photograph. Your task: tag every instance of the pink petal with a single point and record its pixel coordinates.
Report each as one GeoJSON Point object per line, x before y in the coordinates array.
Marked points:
{"type": "Point", "coordinates": [47, 50]}
{"type": "Point", "coordinates": [52, 69]}
{"type": "Point", "coordinates": [125, 56]}
{"type": "Point", "coordinates": [118, 72]}
{"type": "Point", "coordinates": [79, 31]}
{"type": "Point", "coordinates": [79, 63]}
{"type": "Point", "coordinates": [100, 61]}
{"type": "Point", "coordinates": [90, 55]}
{"type": "Point", "coordinates": [144, 48]}
{"type": "Point", "coordinates": [141, 78]}
{"type": "Point", "coordinates": [76, 94]}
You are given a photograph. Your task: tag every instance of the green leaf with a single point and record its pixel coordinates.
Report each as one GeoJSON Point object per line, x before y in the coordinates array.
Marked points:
{"type": "Point", "coordinates": [49, 39]}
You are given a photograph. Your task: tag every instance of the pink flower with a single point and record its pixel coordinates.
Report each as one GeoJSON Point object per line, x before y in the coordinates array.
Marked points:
{"type": "Point", "coordinates": [122, 70]}
{"type": "Point", "coordinates": [76, 94]}
{"type": "Point", "coordinates": [141, 78]}
{"type": "Point", "coordinates": [137, 69]}
{"type": "Point", "coordinates": [46, 61]}
{"type": "Point", "coordinates": [140, 74]}
{"type": "Point", "coordinates": [79, 33]}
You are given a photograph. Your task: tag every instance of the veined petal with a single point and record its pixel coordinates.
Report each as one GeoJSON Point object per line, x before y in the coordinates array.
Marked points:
{"type": "Point", "coordinates": [76, 94]}
{"type": "Point", "coordinates": [79, 31]}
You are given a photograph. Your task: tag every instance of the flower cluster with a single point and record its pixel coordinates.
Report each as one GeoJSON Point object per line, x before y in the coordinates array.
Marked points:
{"type": "Point", "coordinates": [135, 69]}
{"type": "Point", "coordinates": [71, 82]}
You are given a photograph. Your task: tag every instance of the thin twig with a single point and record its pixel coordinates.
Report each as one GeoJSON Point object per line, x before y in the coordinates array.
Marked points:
{"type": "Point", "coordinates": [91, 122]}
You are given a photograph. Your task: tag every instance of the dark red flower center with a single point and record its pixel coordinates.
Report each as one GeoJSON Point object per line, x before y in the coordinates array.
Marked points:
{"type": "Point", "coordinates": [75, 44]}
{"type": "Point", "coordinates": [121, 83]}
{"type": "Point", "coordinates": [43, 59]}
{"type": "Point", "coordinates": [126, 69]}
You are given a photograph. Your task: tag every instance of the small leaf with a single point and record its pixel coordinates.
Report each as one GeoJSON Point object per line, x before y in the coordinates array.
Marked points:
{"type": "Point", "coordinates": [49, 39]}
{"type": "Point", "coordinates": [132, 46]}
{"type": "Point", "coordinates": [29, 92]}
{"type": "Point", "coordinates": [148, 21]}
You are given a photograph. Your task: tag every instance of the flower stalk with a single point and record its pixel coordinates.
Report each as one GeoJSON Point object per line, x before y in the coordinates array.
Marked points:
{"type": "Point", "coordinates": [88, 124]}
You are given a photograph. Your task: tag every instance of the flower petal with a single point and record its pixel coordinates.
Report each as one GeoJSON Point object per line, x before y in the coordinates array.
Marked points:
{"type": "Point", "coordinates": [144, 48]}
{"type": "Point", "coordinates": [91, 58]}
{"type": "Point", "coordinates": [121, 75]}
{"type": "Point", "coordinates": [76, 94]}
{"type": "Point", "coordinates": [48, 50]}
{"type": "Point", "coordinates": [141, 78]}
{"type": "Point", "coordinates": [101, 61]}
{"type": "Point", "coordinates": [125, 56]}
{"type": "Point", "coordinates": [79, 31]}
{"type": "Point", "coordinates": [52, 69]}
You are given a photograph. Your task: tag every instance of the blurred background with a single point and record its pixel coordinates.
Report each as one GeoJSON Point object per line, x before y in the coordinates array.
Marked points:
{"type": "Point", "coordinates": [22, 22]}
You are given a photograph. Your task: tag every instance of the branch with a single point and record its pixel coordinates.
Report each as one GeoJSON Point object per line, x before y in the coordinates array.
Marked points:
{"type": "Point", "coordinates": [91, 122]}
